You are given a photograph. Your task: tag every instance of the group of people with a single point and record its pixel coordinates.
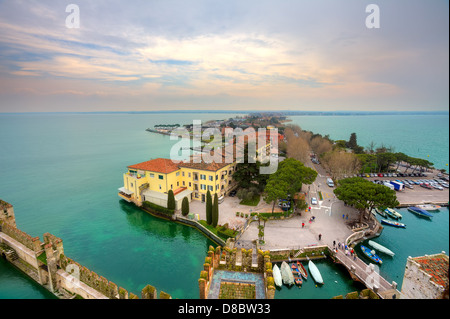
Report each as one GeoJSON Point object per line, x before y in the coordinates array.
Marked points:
{"type": "Point", "coordinates": [349, 251]}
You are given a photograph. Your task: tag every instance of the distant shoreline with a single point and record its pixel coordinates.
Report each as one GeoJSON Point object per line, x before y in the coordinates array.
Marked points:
{"type": "Point", "coordinates": [286, 113]}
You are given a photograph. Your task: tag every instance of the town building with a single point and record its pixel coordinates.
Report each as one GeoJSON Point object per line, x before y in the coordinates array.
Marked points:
{"type": "Point", "coordinates": [426, 277]}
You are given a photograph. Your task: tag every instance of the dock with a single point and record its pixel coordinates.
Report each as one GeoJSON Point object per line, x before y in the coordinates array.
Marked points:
{"type": "Point", "coordinates": [366, 274]}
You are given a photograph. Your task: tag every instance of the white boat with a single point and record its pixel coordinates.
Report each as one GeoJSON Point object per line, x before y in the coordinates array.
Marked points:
{"type": "Point", "coordinates": [286, 274]}
{"type": "Point", "coordinates": [381, 248]}
{"type": "Point", "coordinates": [393, 213]}
{"type": "Point", "coordinates": [315, 273]}
{"type": "Point", "coordinates": [277, 276]}
{"type": "Point", "coordinates": [429, 207]}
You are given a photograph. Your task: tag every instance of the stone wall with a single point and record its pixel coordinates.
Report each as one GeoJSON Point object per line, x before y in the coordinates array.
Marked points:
{"type": "Point", "coordinates": [232, 259]}
{"type": "Point", "coordinates": [47, 265]}
{"type": "Point", "coordinates": [417, 284]}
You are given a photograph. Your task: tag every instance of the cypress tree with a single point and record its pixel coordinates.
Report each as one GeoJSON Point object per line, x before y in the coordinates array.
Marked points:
{"type": "Point", "coordinates": [185, 206]}
{"type": "Point", "coordinates": [215, 211]}
{"type": "Point", "coordinates": [171, 200]}
{"type": "Point", "coordinates": [209, 208]}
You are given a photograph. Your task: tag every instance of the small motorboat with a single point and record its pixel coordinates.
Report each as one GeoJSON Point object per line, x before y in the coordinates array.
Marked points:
{"type": "Point", "coordinates": [392, 223]}
{"type": "Point", "coordinates": [381, 248]}
{"type": "Point", "coordinates": [380, 212]}
{"type": "Point", "coordinates": [297, 279]}
{"type": "Point", "coordinates": [302, 270]}
{"type": "Point", "coordinates": [315, 273]}
{"type": "Point", "coordinates": [420, 211]}
{"type": "Point", "coordinates": [429, 207]}
{"type": "Point", "coordinates": [393, 213]}
{"type": "Point", "coordinates": [286, 274]}
{"type": "Point", "coordinates": [277, 276]}
{"type": "Point", "coordinates": [371, 254]}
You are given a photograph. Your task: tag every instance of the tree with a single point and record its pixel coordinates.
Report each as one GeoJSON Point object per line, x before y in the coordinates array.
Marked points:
{"type": "Point", "coordinates": [209, 208]}
{"type": "Point", "coordinates": [215, 211]}
{"type": "Point", "coordinates": [352, 142]}
{"type": "Point", "coordinates": [365, 195]}
{"type": "Point", "coordinates": [288, 180]}
{"type": "Point", "coordinates": [185, 206]}
{"type": "Point", "coordinates": [341, 163]}
{"type": "Point", "coordinates": [247, 174]}
{"type": "Point", "coordinates": [171, 200]}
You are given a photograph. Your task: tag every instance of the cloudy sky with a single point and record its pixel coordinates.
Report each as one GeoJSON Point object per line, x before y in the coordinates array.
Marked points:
{"type": "Point", "coordinates": [148, 55]}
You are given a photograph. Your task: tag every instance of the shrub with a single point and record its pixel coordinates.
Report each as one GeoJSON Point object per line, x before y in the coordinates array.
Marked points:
{"type": "Point", "coordinates": [215, 211]}
{"type": "Point", "coordinates": [157, 209]}
{"type": "Point", "coordinates": [171, 200]}
{"type": "Point", "coordinates": [209, 208]}
{"type": "Point", "coordinates": [185, 206]}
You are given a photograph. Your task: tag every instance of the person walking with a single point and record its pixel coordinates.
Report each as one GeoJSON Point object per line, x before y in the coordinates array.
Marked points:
{"type": "Point", "coordinates": [334, 243]}
{"type": "Point", "coordinates": [320, 236]}
{"type": "Point", "coordinates": [303, 225]}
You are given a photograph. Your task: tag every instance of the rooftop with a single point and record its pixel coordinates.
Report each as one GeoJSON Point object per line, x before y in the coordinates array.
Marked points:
{"type": "Point", "coordinates": [437, 266]}
{"type": "Point", "coordinates": [159, 165]}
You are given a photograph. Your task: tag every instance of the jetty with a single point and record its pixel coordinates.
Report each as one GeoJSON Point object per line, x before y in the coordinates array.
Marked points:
{"type": "Point", "coordinates": [367, 274]}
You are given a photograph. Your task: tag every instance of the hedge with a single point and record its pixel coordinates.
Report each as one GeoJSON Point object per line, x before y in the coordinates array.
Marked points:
{"type": "Point", "coordinates": [158, 209]}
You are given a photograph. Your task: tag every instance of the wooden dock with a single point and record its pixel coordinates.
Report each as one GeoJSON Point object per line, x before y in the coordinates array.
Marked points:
{"type": "Point", "coordinates": [366, 274]}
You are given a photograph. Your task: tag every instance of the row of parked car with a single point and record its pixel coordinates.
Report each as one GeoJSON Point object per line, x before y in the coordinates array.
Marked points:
{"type": "Point", "coordinates": [425, 183]}
{"type": "Point", "coordinates": [393, 175]}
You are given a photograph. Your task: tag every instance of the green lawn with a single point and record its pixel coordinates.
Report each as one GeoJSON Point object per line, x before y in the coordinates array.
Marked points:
{"type": "Point", "coordinates": [251, 202]}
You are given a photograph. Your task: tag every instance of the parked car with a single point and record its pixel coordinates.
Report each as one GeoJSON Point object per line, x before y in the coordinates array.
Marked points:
{"type": "Point", "coordinates": [313, 201]}
{"type": "Point", "coordinates": [233, 193]}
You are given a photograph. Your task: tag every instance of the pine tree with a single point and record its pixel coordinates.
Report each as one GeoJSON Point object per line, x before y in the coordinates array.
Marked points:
{"type": "Point", "coordinates": [215, 211]}
{"type": "Point", "coordinates": [209, 208]}
{"type": "Point", "coordinates": [185, 206]}
{"type": "Point", "coordinates": [171, 200]}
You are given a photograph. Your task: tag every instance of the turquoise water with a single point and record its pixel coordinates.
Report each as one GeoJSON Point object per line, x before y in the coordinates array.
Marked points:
{"type": "Point", "coordinates": [422, 136]}
{"type": "Point", "coordinates": [62, 171]}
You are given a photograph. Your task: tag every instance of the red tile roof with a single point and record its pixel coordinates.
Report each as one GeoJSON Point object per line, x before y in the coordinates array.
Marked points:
{"type": "Point", "coordinates": [159, 165]}
{"type": "Point", "coordinates": [437, 266]}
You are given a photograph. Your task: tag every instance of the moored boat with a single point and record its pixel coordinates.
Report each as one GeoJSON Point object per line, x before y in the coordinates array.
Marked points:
{"type": "Point", "coordinates": [371, 254]}
{"type": "Point", "coordinates": [315, 273]}
{"type": "Point", "coordinates": [393, 213]}
{"type": "Point", "coordinates": [286, 274]}
{"type": "Point", "coordinates": [429, 207]}
{"type": "Point", "coordinates": [302, 270]}
{"type": "Point", "coordinates": [277, 276]}
{"type": "Point", "coordinates": [392, 223]}
{"type": "Point", "coordinates": [381, 248]}
{"type": "Point", "coordinates": [420, 211]}
{"type": "Point", "coordinates": [379, 212]}
{"type": "Point", "coordinates": [297, 279]}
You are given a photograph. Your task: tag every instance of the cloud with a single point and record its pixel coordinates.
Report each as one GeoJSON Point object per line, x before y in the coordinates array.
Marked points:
{"type": "Point", "coordinates": [296, 52]}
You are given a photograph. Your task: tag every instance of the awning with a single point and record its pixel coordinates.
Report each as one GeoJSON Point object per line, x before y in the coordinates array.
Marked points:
{"type": "Point", "coordinates": [125, 191]}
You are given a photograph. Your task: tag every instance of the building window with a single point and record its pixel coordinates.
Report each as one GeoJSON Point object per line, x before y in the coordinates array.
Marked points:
{"type": "Point", "coordinates": [183, 183]}
{"type": "Point", "coordinates": [217, 187]}
{"type": "Point", "coordinates": [183, 174]}
{"type": "Point", "coordinates": [160, 187]}
{"type": "Point", "coordinates": [177, 174]}
{"type": "Point", "coordinates": [160, 176]}
{"type": "Point", "coordinates": [131, 185]}
{"type": "Point", "coordinates": [217, 177]}
{"type": "Point", "coordinates": [152, 175]}
{"type": "Point", "coordinates": [189, 174]}
{"type": "Point", "coordinates": [211, 178]}
{"type": "Point", "coordinates": [178, 184]}
{"type": "Point", "coordinates": [210, 188]}
{"type": "Point", "coordinates": [190, 184]}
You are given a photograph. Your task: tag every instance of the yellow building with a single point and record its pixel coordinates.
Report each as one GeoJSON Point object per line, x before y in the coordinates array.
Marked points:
{"type": "Point", "coordinates": [152, 180]}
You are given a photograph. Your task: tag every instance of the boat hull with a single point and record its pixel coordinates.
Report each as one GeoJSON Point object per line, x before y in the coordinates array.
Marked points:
{"type": "Point", "coordinates": [420, 212]}
{"type": "Point", "coordinates": [371, 255]}
{"type": "Point", "coordinates": [277, 276]}
{"type": "Point", "coordinates": [394, 224]}
{"type": "Point", "coordinates": [315, 273]}
{"type": "Point", "coordinates": [381, 248]}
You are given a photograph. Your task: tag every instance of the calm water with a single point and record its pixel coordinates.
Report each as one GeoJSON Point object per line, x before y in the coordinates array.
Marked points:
{"type": "Point", "coordinates": [61, 172]}
{"type": "Point", "coordinates": [423, 136]}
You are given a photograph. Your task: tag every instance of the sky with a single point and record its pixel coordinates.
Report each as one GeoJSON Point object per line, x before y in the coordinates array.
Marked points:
{"type": "Point", "coordinates": [264, 55]}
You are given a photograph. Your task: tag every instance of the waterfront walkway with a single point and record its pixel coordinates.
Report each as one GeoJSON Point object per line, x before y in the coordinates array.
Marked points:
{"type": "Point", "coordinates": [367, 274]}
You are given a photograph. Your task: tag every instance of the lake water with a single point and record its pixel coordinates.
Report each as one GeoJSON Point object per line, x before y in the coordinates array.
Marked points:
{"type": "Point", "coordinates": [62, 171]}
